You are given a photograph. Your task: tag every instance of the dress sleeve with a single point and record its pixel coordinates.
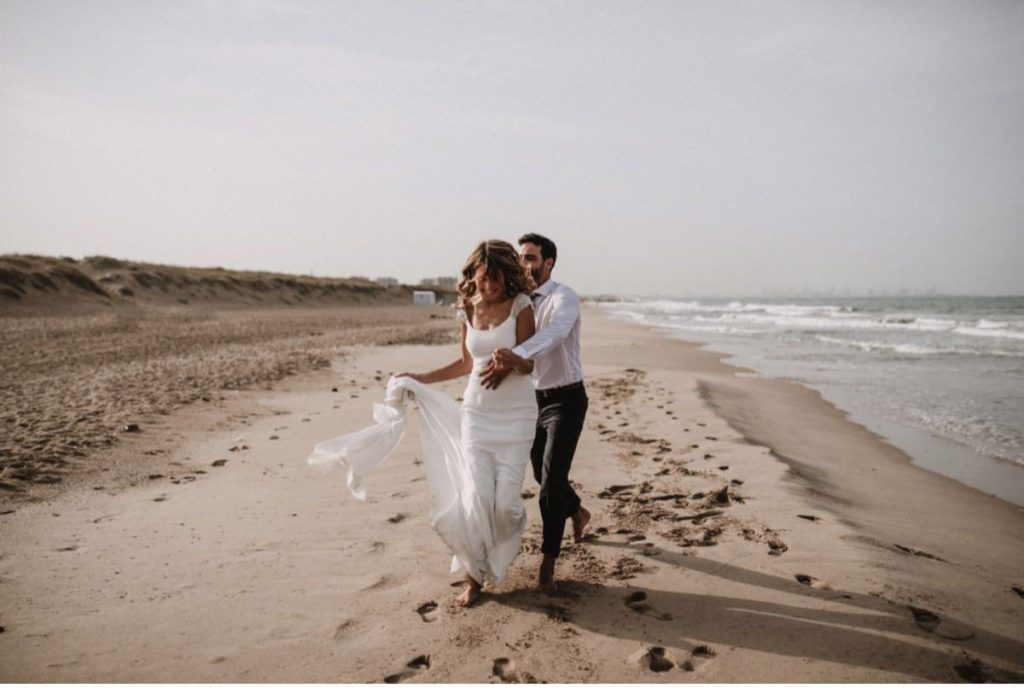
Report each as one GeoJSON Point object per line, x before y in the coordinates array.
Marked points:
{"type": "Point", "coordinates": [521, 302]}
{"type": "Point", "coordinates": [460, 315]}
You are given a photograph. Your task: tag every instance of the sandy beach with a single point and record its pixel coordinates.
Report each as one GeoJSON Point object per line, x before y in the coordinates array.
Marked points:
{"type": "Point", "coordinates": [744, 530]}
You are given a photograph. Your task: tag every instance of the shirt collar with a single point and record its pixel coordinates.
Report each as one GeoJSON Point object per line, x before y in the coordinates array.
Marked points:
{"type": "Point", "coordinates": [546, 288]}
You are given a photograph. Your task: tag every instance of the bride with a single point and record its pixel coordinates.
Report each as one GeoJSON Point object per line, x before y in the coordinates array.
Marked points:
{"type": "Point", "coordinates": [475, 454]}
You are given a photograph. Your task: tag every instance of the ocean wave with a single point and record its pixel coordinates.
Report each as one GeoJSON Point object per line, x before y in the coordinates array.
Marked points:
{"type": "Point", "coordinates": [917, 349]}
{"type": "Point", "coordinates": [982, 434]}
{"type": "Point", "coordinates": [669, 307]}
{"type": "Point", "coordinates": [818, 317]}
{"type": "Point", "coordinates": [997, 333]}
{"type": "Point", "coordinates": [900, 348]}
{"type": "Point", "coordinates": [716, 329]}
{"type": "Point", "coordinates": [739, 317]}
{"type": "Point", "coordinates": [847, 322]}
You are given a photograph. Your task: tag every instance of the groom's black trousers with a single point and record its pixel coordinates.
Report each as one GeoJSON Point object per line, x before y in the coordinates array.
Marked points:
{"type": "Point", "coordinates": [559, 424]}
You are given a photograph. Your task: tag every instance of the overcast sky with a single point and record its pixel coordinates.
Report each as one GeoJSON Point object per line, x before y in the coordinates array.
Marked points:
{"type": "Point", "coordinates": [673, 148]}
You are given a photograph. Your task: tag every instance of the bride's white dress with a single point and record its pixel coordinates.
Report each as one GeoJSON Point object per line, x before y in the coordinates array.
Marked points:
{"type": "Point", "coordinates": [475, 454]}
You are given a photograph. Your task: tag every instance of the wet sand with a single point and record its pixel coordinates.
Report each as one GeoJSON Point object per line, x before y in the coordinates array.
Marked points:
{"type": "Point", "coordinates": [743, 530]}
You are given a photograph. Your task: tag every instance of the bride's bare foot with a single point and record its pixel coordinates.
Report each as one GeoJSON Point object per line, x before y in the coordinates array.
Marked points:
{"type": "Point", "coordinates": [470, 594]}
{"type": "Point", "coordinates": [546, 576]}
{"type": "Point", "coordinates": [579, 521]}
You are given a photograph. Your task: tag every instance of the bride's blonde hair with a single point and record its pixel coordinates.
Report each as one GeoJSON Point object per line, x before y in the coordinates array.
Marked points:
{"type": "Point", "coordinates": [502, 264]}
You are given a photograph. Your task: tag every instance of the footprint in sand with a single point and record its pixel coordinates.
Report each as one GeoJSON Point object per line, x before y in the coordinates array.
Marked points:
{"type": "Point", "coordinates": [972, 672]}
{"type": "Point", "coordinates": [612, 490]}
{"type": "Point", "coordinates": [809, 517]}
{"type": "Point", "coordinates": [382, 581]}
{"type": "Point", "coordinates": [700, 655]}
{"type": "Point", "coordinates": [426, 611]}
{"type": "Point", "coordinates": [626, 568]}
{"type": "Point", "coordinates": [775, 544]}
{"type": "Point", "coordinates": [655, 658]}
{"type": "Point", "coordinates": [506, 670]}
{"type": "Point", "coordinates": [412, 668]}
{"type": "Point", "coordinates": [812, 582]}
{"type": "Point", "coordinates": [926, 620]}
{"type": "Point", "coordinates": [556, 612]}
{"type": "Point", "coordinates": [397, 518]}
{"type": "Point", "coordinates": [637, 601]}
{"type": "Point", "coordinates": [1019, 589]}
{"type": "Point", "coordinates": [930, 621]}
{"type": "Point", "coordinates": [720, 497]}
{"type": "Point", "coordinates": [342, 629]}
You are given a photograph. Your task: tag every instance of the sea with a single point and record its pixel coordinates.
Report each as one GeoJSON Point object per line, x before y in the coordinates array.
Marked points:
{"type": "Point", "coordinates": [940, 377]}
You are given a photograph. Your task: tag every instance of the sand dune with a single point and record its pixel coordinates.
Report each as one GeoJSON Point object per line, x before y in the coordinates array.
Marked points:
{"type": "Point", "coordinates": [35, 285]}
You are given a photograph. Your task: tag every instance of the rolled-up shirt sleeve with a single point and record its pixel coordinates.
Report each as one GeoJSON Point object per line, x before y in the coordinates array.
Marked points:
{"type": "Point", "coordinates": [565, 311]}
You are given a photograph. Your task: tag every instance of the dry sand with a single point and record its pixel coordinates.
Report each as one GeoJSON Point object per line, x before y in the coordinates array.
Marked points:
{"type": "Point", "coordinates": [743, 530]}
{"type": "Point", "coordinates": [73, 385]}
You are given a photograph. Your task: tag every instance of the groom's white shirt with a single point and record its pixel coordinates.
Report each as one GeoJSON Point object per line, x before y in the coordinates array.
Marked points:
{"type": "Point", "coordinates": [555, 348]}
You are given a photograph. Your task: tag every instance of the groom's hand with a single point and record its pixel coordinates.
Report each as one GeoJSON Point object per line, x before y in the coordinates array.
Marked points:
{"type": "Point", "coordinates": [507, 359]}
{"type": "Point", "coordinates": [493, 374]}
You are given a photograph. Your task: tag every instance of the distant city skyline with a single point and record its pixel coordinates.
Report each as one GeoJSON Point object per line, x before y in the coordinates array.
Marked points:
{"type": "Point", "coordinates": [720, 148]}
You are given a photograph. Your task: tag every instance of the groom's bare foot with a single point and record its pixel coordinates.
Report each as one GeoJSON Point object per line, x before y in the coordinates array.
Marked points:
{"type": "Point", "coordinates": [546, 576]}
{"type": "Point", "coordinates": [579, 522]}
{"type": "Point", "coordinates": [470, 594]}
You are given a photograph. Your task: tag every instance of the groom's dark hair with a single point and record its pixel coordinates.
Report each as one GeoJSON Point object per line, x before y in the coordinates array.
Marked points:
{"type": "Point", "coordinates": [547, 247]}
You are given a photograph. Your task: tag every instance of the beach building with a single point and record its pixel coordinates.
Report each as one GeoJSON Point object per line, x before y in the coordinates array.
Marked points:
{"type": "Point", "coordinates": [424, 298]}
{"type": "Point", "coordinates": [439, 282]}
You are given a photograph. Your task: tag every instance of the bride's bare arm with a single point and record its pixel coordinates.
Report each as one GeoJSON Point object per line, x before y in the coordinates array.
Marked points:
{"type": "Point", "coordinates": [457, 368]}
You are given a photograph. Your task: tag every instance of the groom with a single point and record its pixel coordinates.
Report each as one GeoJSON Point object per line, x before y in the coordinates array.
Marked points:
{"type": "Point", "coordinates": [561, 397]}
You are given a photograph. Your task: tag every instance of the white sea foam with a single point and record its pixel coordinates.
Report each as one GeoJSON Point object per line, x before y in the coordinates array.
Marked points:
{"type": "Point", "coordinates": [717, 329]}
{"type": "Point", "coordinates": [978, 331]}
{"type": "Point", "coordinates": [900, 348]}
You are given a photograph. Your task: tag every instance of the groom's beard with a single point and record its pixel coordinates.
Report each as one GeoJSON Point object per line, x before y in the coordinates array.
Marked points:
{"type": "Point", "coordinates": [535, 274]}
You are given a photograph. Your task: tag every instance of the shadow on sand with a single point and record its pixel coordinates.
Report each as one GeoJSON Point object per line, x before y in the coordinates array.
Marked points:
{"type": "Point", "coordinates": [853, 629]}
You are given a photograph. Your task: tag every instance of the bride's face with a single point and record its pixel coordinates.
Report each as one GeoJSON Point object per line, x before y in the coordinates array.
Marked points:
{"type": "Point", "coordinates": [488, 288]}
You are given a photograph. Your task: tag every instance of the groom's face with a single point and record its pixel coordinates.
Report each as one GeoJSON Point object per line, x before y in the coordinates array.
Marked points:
{"type": "Point", "coordinates": [540, 269]}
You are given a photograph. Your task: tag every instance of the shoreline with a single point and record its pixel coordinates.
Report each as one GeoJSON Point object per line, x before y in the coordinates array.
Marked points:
{"type": "Point", "coordinates": [727, 382]}
{"type": "Point", "coordinates": [995, 476]}
{"type": "Point", "coordinates": [263, 569]}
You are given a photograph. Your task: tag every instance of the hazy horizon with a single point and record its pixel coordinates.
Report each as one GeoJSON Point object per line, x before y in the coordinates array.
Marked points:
{"type": "Point", "coordinates": [693, 148]}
